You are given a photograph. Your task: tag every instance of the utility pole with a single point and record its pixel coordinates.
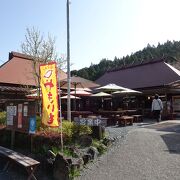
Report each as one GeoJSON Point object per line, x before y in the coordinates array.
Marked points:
{"type": "Point", "coordinates": [68, 65]}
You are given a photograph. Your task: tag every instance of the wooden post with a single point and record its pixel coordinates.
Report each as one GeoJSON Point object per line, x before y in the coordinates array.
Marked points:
{"type": "Point", "coordinates": [31, 141]}
{"type": "Point", "coordinates": [12, 138]}
{"type": "Point", "coordinates": [97, 132]}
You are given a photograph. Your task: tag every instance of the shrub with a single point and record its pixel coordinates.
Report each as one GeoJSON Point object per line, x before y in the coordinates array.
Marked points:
{"type": "Point", "coordinates": [52, 136]}
{"type": "Point", "coordinates": [81, 130]}
{"type": "Point", "coordinates": [2, 118]}
{"type": "Point", "coordinates": [55, 150]}
{"type": "Point", "coordinates": [74, 173]}
{"type": "Point", "coordinates": [42, 141]}
{"type": "Point", "coordinates": [67, 128]}
{"type": "Point", "coordinates": [72, 130]}
{"type": "Point", "coordinates": [38, 122]}
{"type": "Point", "coordinates": [100, 146]}
{"type": "Point", "coordinates": [67, 152]}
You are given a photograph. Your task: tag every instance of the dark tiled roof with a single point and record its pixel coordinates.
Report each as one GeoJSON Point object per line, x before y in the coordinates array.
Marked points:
{"type": "Point", "coordinates": [19, 55]}
{"type": "Point", "coordinates": [152, 74]}
{"type": "Point", "coordinates": [144, 62]}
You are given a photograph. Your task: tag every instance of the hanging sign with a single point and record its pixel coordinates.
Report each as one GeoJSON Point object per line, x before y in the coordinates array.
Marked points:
{"type": "Point", "coordinates": [20, 106]}
{"type": "Point", "coordinates": [10, 111]}
{"type": "Point", "coordinates": [99, 121]}
{"type": "Point", "coordinates": [48, 82]}
{"type": "Point", "coordinates": [32, 125]}
{"type": "Point", "coordinates": [9, 120]}
{"type": "Point", "coordinates": [25, 111]}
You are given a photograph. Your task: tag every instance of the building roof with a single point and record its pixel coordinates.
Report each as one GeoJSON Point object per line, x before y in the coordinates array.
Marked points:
{"type": "Point", "coordinates": [142, 76]}
{"type": "Point", "coordinates": [19, 70]}
{"type": "Point", "coordinates": [12, 88]}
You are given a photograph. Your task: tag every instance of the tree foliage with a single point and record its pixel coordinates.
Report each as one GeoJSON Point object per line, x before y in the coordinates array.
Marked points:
{"type": "Point", "coordinates": [41, 50]}
{"type": "Point", "coordinates": [170, 51]}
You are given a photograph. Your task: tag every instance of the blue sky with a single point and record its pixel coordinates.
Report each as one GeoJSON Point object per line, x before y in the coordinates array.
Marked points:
{"type": "Point", "coordinates": [98, 28]}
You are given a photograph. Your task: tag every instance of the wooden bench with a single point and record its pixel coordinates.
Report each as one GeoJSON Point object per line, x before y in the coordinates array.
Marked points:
{"type": "Point", "coordinates": [124, 120]}
{"type": "Point", "coordinates": [138, 118]}
{"type": "Point", "coordinates": [27, 162]}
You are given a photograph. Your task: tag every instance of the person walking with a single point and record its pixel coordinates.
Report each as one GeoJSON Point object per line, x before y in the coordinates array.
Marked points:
{"type": "Point", "coordinates": [157, 107]}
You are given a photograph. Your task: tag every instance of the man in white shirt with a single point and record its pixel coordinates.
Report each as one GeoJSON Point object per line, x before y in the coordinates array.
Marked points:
{"type": "Point", "coordinates": [157, 107]}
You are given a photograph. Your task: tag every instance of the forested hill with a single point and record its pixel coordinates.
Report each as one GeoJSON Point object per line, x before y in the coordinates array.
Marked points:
{"type": "Point", "coordinates": [170, 51]}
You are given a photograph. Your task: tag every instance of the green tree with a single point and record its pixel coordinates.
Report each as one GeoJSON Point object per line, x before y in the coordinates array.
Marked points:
{"type": "Point", "coordinates": [170, 51]}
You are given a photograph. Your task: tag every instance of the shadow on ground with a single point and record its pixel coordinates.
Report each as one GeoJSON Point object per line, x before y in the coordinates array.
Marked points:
{"type": "Point", "coordinates": [172, 142]}
{"type": "Point", "coordinates": [167, 127]}
{"type": "Point", "coordinates": [172, 138]}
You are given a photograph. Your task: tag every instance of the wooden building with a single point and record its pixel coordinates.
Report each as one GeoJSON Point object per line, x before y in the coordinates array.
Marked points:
{"type": "Point", "coordinates": [150, 78]}
{"type": "Point", "coordinates": [17, 77]}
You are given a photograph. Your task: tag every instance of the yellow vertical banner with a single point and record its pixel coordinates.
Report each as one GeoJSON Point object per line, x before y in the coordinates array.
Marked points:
{"type": "Point", "coordinates": [48, 83]}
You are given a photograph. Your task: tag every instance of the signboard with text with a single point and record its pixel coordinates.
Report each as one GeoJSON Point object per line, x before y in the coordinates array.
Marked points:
{"type": "Point", "coordinates": [20, 106]}
{"type": "Point", "coordinates": [18, 113]}
{"type": "Point", "coordinates": [10, 113]}
{"type": "Point", "coordinates": [91, 121]}
{"type": "Point", "coordinates": [48, 82]}
{"type": "Point", "coordinates": [32, 125]}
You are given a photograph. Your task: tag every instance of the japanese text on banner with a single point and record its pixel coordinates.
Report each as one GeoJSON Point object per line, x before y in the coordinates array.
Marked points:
{"type": "Point", "coordinates": [48, 82]}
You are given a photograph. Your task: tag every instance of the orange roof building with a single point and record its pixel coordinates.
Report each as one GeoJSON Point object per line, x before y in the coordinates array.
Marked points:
{"type": "Point", "coordinates": [19, 70]}
{"type": "Point", "coordinates": [17, 75]}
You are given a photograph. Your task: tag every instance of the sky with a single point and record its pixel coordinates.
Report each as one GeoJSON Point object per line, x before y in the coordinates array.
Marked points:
{"type": "Point", "coordinates": [98, 28]}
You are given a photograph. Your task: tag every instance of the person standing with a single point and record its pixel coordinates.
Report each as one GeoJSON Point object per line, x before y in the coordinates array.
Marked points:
{"type": "Point", "coordinates": [157, 107]}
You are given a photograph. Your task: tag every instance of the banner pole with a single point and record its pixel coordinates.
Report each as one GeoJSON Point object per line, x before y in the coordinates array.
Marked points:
{"type": "Point", "coordinates": [68, 64]}
{"type": "Point", "coordinates": [60, 113]}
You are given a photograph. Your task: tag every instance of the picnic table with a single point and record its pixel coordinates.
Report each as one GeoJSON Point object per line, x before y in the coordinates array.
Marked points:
{"type": "Point", "coordinates": [27, 162]}
{"type": "Point", "coordinates": [118, 112]}
{"type": "Point", "coordinates": [138, 118]}
{"type": "Point", "coordinates": [124, 120]}
{"type": "Point", "coordinates": [77, 114]}
{"type": "Point", "coordinates": [113, 116]}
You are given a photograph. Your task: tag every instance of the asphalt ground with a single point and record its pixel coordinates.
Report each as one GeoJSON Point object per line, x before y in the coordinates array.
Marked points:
{"type": "Point", "coordinates": [150, 152]}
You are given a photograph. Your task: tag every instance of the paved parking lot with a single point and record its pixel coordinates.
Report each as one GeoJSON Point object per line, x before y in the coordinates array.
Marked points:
{"type": "Point", "coordinates": [151, 152]}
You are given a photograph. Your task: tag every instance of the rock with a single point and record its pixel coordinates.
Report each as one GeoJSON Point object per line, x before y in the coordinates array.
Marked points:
{"type": "Point", "coordinates": [77, 163]}
{"type": "Point", "coordinates": [74, 166]}
{"type": "Point", "coordinates": [61, 168]}
{"type": "Point", "coordinates": [50, 157]}
{"type": "Point", "coordinates": [107, 141]}
{"type": "Point", "coordinates": [80, 162]}
{"type": "Point", "coordinates": [85, 141]}
{"type": "Point", "coordinates": [69, 160]}
{"type": "Point", "coordinates": [86, 158]}
{"type": "Point", "coordinates": [75, 151]}
{"type": "Point", "coordinates": [51, 154]}
{"type": "Point", "coordinates": [93, 152]}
